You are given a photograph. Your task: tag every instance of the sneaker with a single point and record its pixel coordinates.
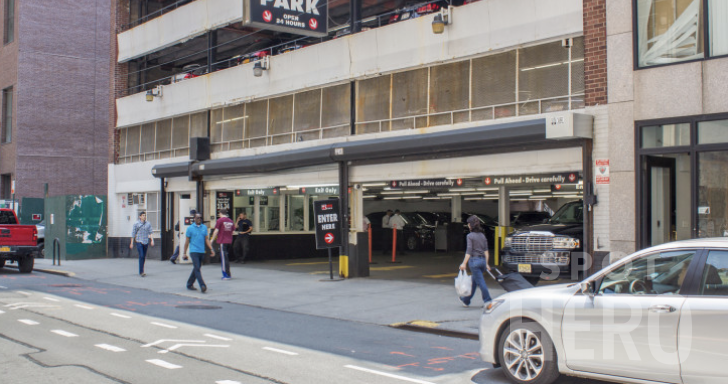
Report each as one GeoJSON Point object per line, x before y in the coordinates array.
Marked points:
{"type": "Point", "coordinates": [142, 274]}
{"type": "Point", "coordinates": [460, 299]}
{"type": "Point", "coordinates": [172, 261]}
{"type": "Point", "coordinates": [225, 278]}
{"type": "Point", "coordinates": [192, 288]}
{"type": "Point", "coordinates": [204, 288]}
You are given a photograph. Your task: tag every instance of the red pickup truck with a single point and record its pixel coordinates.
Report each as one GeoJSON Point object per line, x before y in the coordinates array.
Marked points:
{"type": "Point", "coordinates": [18, 243]}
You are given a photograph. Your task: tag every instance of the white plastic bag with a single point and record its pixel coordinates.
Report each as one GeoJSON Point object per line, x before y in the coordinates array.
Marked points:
{"type": "Point", "coordinates": [463, 284]}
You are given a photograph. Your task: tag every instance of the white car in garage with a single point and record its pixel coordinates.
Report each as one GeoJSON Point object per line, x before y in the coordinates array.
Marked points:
{"type": "Point", "coordinates": [656, 316]}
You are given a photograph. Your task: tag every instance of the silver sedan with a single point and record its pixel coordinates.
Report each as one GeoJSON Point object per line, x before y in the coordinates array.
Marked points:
{"type": "Point", "coordinates": [657, 316]}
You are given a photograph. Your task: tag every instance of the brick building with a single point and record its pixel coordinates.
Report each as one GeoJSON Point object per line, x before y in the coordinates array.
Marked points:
{"type": "Point", "coordinates": [55, 80]}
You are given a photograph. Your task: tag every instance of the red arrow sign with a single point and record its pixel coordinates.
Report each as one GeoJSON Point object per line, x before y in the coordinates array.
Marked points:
{"type": "Point", "coordinates": [267, 16]}
{"type": "Point", "coordinates": [313, 23]}
{"type": "Point", "coordinates": [329, 238]}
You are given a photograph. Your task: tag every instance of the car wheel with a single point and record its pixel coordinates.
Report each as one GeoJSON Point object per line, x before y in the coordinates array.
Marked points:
{"type": "Point", "coordinates": [42, 250]}
{"type": "Point", "coordinates": [527, 354]}
{"type": "Point", "coordinates": [25, 264]}
{"type": "Point", "coordinates": [411, 243]}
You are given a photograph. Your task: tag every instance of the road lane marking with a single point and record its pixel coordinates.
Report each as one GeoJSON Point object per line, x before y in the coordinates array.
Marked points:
{"type": "Point", "coordinates": [281, 351]}
{"type": "Point", "coordinates": [51, 299]}
{"type": "Point", "coordinates": [14, 306]}
{"type": "Point", "coordinates": [387, 375]}
{"type": "Point", "coordinates": [2, 311]}
{"type": "Point", "coordinates": [177, 346]}
{"type": "Point", "coordinates": [23, 293]}
{"type": "Point", "coordinates": [83, 306]}
{"type": "Point", "coordinates": [111, 348]}
{"type": "Point", "coordinates": [29, 322]}
{"type": "Point", "coordinates": [163, 340]}
{"type": "Point", "coordinates": [3, 287]}
{"type": "Point", "coordinates": [120, 315]}
{"type": "Point", "coordinates": [164, 325]}
{"type": "Point", "coordinates": [227, 382]}
{"type": "Point", "coordinates": [64, 333]}
{"type": "Point", "coordinates": [163, 364]}
{"type": "Point", "coordinates": [218, 337]}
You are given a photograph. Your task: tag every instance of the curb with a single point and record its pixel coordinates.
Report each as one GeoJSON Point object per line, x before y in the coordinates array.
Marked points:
{"type": "Point", "coordinates": [50, 271]}
{"type": "Point", "coordinates": [431, 327]}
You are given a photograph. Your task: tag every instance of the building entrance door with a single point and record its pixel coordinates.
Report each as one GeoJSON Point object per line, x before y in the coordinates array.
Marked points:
{"type": "Point", "coordinates": [659, 200]}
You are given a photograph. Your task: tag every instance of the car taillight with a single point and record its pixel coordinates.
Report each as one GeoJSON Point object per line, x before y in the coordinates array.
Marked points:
{"type": "Point", "coordinates": [35, 235]}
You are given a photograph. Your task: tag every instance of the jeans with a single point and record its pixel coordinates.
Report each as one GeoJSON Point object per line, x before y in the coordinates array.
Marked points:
{"type": "Point", "coordinates": [196, 273]}
{"type": "Point", "coordinates": [242, 246]}
{"type": "Point", "coordinates": [175, 255]}
{"type": "Point", "coordinates": [142, 249]}
{"type": "Point", "coordinates": [477, 267]}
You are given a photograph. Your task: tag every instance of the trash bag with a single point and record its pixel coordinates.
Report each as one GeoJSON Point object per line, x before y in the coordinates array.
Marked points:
{"type": "Point", "coordinates": [463, 284]}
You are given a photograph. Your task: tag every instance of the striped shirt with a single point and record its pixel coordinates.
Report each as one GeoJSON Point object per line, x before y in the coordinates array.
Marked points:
{"type": "Point", "coordinates": [141, 231]}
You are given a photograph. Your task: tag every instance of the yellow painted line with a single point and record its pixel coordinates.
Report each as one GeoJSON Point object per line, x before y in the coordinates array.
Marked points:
{"type": "Point", "coordinates": [424, 323]}
{"type": "Point", "coordinates": [312, 263]}
{"type": "Point", "coordinates": [391, 268]}
{"type": "Point", "coordinates": [319, 273]}
{"type": "Point", "coordinates": [441, 276]}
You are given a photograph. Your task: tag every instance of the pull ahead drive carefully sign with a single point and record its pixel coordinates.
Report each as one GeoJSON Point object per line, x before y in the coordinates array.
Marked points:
{"type": "Point", "coordinates": [328, 223]}
{"type": "Point", "coordinates": [303, 17]}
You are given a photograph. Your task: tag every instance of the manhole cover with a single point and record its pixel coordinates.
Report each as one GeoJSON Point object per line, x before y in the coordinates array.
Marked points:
{"type": "Point", "coordinates": [198, 307]}
{"type": "Point", "coordinates": [66, 285]}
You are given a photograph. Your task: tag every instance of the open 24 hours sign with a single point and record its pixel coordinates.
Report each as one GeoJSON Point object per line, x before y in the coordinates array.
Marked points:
{"type": "Point", "coordinates": [303, 17]}
{"type": "Point", "coordinates": [328, 223]}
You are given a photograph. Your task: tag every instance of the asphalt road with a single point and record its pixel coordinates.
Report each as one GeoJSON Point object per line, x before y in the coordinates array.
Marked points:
{"type": "Point", "coordinates": [71, 330]}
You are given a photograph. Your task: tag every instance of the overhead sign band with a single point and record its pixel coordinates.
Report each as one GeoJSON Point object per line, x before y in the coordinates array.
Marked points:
{"type": "Point", "coordinates": [303, 17]}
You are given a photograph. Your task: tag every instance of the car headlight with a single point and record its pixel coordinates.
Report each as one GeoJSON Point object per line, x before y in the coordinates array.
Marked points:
{"type": "Point", "coordinates": [566, 243]}
{"type": "Point", "coordinates": [492, 305]}
{"type": "Point", "coordinates": [507, 242]}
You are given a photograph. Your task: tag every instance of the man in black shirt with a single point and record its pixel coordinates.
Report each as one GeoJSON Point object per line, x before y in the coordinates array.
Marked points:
{"type": "Point", "coordinates": [242, 241]}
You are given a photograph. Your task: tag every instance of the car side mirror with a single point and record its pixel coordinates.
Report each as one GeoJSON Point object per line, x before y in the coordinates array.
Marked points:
{"type": "Point", "coordinates": [588, 288]}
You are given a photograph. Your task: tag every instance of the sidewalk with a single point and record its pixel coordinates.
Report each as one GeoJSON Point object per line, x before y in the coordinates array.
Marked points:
{"type": "Point", "coordinates": [431, 307]}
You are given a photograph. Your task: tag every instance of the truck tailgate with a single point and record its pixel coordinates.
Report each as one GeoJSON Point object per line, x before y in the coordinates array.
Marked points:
{"type": "Point", "coordinates": [17, 235]}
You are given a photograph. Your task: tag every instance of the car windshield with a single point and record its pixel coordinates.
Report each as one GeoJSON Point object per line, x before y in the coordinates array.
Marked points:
{"type": "Point", "coordinates": [569, 213]}
{"type": "Point", "coordinates": [413, 219]}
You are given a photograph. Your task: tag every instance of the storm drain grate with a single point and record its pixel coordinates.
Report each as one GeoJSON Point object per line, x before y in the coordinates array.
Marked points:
{"type": "Point", "coordinates": [198, 307]}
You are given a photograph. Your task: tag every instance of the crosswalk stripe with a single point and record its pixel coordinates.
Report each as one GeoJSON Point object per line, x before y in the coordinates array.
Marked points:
{"type": "Point", "coordinates": [28, 322]}
{"type": "Point", "coordinates": [111, 348]}
{"type": "Point", "coordinates": [163, 364]}
{"type": "Point", "coordinates": [64, 333]}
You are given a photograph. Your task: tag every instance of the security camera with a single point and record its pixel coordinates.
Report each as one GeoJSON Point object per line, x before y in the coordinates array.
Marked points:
{"type": "Point", "coordinates": [357, 186]}
{"type": "Point", "coordinates": [567, 43]}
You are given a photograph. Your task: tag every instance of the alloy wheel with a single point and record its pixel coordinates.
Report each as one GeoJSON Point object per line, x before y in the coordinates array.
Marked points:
{"type": "Point", "coordinates": [523, 354]}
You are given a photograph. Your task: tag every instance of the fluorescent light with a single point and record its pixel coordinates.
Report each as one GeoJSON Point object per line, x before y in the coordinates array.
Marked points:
{"type": "Point", "coordinates": [311, 185]}
{"type": "Point", "coordinates": [542, 190]}
{"type": "Point", "coordinates": [473, 198]}
{"type": "Point", "coordinates": [425, 191]}
{"type": "Point", "coordinates": [432, 198]}
{"type": "Point", "coordinates": [411, 197]}
{"type": "Point", "coordinates": [448, 194]}
{"type": "Point", "coordinates": [487, 189]}
{"type": "Point", "coordinates": [520, 193]}
{"type": "Point", "coordinates": [373, 184]}
{"type": "Point", "coordinates": [461, 189]}
{"type": "Point", "coordinates": [233, 119]}
{"type": "Point", "coordinates": [369, 196]}
{"type": "Point", "coordinates": [537, 198]}
{"type": "Point", "coordinates": [471, 193]}
{"type": "Point", "coordinates": [391, 192]}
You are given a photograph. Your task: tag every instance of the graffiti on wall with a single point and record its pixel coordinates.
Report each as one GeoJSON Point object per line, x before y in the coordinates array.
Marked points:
{"type": "Point", "coordinates": [85, 223]}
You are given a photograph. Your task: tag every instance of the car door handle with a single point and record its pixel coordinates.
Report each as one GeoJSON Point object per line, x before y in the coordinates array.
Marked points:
{"type": "Point", "coordinates": [662, 308]}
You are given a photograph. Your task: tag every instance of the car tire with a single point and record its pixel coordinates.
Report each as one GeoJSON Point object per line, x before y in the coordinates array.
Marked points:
{"type": "Point", "coordinates": [42, 250]}
{"type": "Point", "coordinates": [25, 264]}
{"type": "Point", "coordinates": [411, 243]}
{"type": "Point", "coordinates": [536, 363]}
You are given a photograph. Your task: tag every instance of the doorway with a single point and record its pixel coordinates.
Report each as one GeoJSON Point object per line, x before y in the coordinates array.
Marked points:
{"type": "Point", "coordinates": [659, 200]}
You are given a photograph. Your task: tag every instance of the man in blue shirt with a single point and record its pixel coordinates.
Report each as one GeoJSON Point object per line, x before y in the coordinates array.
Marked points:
{"type": "Point", "coordinates": [141, 232]}
{"type": "Point", "coordinates": [197, 238]}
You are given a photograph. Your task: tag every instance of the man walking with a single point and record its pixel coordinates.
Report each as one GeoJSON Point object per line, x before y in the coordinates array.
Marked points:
{"type": "Point", "coordinates": [197, 238]}
{"type": "Point", "coordinates": [141, 233]}
{"type": "Point", "coordinates": [224, 236]}
{"type": "Point", "coordinates": [242, 242]}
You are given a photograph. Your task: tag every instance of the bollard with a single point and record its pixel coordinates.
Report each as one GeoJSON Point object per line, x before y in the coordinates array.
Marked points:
{"type": "Point", "coordinates": [394, 243]}
{"type": "Point", "coordinates": [369, 232]}
{"type": "Point", "coordinates": [56, 245]}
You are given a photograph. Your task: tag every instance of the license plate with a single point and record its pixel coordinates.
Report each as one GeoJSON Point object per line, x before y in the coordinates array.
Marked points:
{"type": "Point", "coordinates": [524, 268]}
{"type": "Point", "coordinates": [4, 249]}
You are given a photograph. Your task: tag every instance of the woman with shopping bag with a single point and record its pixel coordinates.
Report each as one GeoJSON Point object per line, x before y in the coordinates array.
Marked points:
{"type": "Point", "coordinates": [476, 257]}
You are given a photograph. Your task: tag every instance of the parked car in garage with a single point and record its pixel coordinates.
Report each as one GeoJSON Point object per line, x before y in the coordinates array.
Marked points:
{"type": "Point", "coordinates": [522, 219]}
{"type": "Point", "coordinates": [189, 72]}
{"type": "Point", "coordinates": [418, 233]}
{"type": "Point", "coordinates": [654, 316]}
{"type": "Point", "coordinates": [441, 218]}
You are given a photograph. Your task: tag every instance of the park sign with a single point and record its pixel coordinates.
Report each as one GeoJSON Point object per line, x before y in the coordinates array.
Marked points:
{"type": "Point", "coordinates": [302, 17]}
{"type": "Point", "coordinates": [328, 223]}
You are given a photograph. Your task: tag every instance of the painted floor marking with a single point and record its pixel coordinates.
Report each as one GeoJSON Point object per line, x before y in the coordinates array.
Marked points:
{"type": "Point", "coordinates": [441, 276]}
{"type": "Point", "coordinates": [120, 315]}
{"type": "Point", "coordinates": [164, 340]}
{"type": "Point", "coordinates": [218, 337]}
{"type": "Point", "coordinates": [111, 348]}
{"type": "Point", "coordinates": [83, 306]}
{"type": "Point", "coordinates": [14, 306]}
{"type": "Point", "coordinates": [51, 299]}
{"type": "Point", "coordinates": [387, 375]}
{"type": "Point", "coordinates": [64, 333]}
{"type": "Point", "coordinates": [28, 321]}
{"type": "Point", "coordinates": [163, 364]}
{"type": "Point", "coordinates": [177, 346]}
{"type": "Point", "coordinates": [227, 382]}
{"type": "Point", "coordinates": [164, 325]}
{"type": "Point", "coordinates": [313, 263]}
{"type": "Point", "coordinates": [3, 287]}
{"type": "Point", "coordinates": [23, 293]}
{"type": "Point", "coordinates": [391, 268]}
{"type": "Point", "coordinates": [281, 351]}
{"type": "Point", "coordinates": [2, 311]}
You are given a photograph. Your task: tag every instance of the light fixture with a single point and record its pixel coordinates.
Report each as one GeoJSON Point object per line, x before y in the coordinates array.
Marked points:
{"type": "Point", "coordinates": [260, 66]}
{"type": "Point", "coordinates": [154, 92]}
{"type": "Point", "coordinates": [441, 19]}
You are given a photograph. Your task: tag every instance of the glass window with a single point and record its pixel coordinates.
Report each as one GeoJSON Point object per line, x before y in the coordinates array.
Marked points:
{"type": "Point", "coordinates": [718, 13]}
{"type": "Point", "coordinates": [181, 132]}
{"type": "Point", "coordinates": [295, 217]}
{"type": "Point", "coordinates": [712, 194]}
{"type": "Point", "coordinates": [669, 135]}
{"type": "Point", "coordinates": [152, 208]}
{"type": "Point", "coordinates": [669, 31]}
{"type": "Point", "coordinates": [711, 132]}
{"type": "Point", "coordinates": [7, 115]}
{"type": "Point", "coordinates": [655, 274]}
{"type": "Point", "coordinates": [270, 213]}
{"type": "Point", "coordinates": [714, 281]}
{"type": "Point", "coordinates": [9, 22]}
